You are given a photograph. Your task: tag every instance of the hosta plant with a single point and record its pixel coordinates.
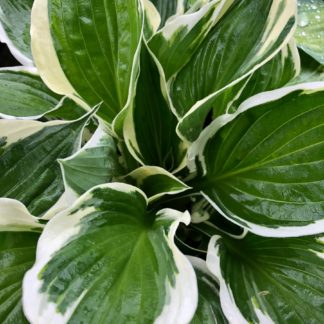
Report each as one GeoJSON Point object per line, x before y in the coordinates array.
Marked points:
{"type": "Point", "coordinates": [162, 161]}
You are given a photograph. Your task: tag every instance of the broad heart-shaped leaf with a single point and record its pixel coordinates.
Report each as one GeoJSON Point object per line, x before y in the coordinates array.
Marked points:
{"type": "Point", "coordinates": [269, 280]}
{"type": "Point", "coordinates": [232, 51]}
{"type": "Point", "coordinates": [263, 169]}
{"type": "Point", "coordinates": [209, 309]}
{"type": "Point", "coordinates": [109, 248]}
{"type": "Point", "coordinates": [149, 128]}
{"type": "Point", "coordinates": [28, 159]}
{"type": "Point", "coordinates": [156, 182]}
{"type": "Point", "coordinates": [17, 255]}
{"type": "Point", "coordinates": [14, 28]}
{"type": "Point", "coordinates": [310, 31]}
{"type": "Point", "coordinates": [97, 44]}
{"type": "Point", "coordinates": [176, 42]}
{"type": "Point", "coordinates": [96, 163]}
{"type": "Point", "coordinates": [272, 75]}
{"type": "Point", "coordinates": [23, 95]}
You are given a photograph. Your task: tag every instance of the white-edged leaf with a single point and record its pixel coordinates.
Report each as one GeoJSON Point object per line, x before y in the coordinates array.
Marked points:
{"type": "Point", "coordinates": [150, 126]}
{"type": "Point", "coordinates": [168, 8]}
{"type": "Point", "coordinates": [227, 56]}
{"type": "Point", "coordinates": [96, 49]}
{"type": "Point", "coordinates": [209, 309]}
{"type": "Point", "coordinates": [108, 247]}
{"type": "Point", "coordinates": [269, 280]}
{"type": "Point", "coordinates": [310, 31]}
{"type": "Point", "coordinates": [28, 159]}
{"type": "Point", "coordinates": [25, 96]}
{"type": "Point", "coordinates": [176, 42]}
{"type": "Point", "coordinates": [276, 73]}
{"type": "Point", "coordinates": [156, 182]}
{"type": "Point", "coordinates": [14, 28]}
{"type": "Point", "coordinates": [262, 166]}
{"type": "Point", "coordinates": [96, 163]}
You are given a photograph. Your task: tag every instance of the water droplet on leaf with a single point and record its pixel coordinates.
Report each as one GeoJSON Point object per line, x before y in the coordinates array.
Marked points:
{"type": "Point", "coordinates": [303, 20]}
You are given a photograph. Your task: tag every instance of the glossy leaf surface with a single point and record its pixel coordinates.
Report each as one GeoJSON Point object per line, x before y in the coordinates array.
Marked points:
{"type": "Point", "coordinates": [97, 44]}
{"type": "Point", "coordinates": [263, 169]}
{"type": "Point", "coordinates": [14, 28]}
{"type": "Point", "coordinates": [28, 159]}
{"type": "Point", "coordinates": [269, 280]}
{"type": "Point", "coordinates": [149, 128]}
{"type": "Point", "coordinates": [310, 31]}
{"type": "Point", "coordinates": [96, 163]}
{"type": "Point", "coordinates": [108, 247]}
{"type": "Point", "coordinates": [17, 255]}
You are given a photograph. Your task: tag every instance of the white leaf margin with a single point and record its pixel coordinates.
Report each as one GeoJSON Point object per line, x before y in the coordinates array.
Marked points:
{"type": "Point", "coordinates": [94, 142]}
{"type": "Point", "coordinates": [18, 55]}
{"type": "Point", "coordinates": [14, 217]}
{"type": "Point", "coordinates": [291, 11]}
{"type": "Point", "coordinates": [229, 307]}
{"type": "Point", "coordinates": [33, 71]}
{"type": "Point", "coordinates": [45, 57]}
{"type": "Point", "coordinates": [197, 148]}
{"type": "Point", "coordinates": [14, 130]}
{"type": "Point", "coordinates": [182, 299]}
{"type": "Point", "coordinates": [141, 173]}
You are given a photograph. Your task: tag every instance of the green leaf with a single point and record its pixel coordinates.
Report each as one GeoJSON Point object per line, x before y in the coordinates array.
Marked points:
{"type": "Point", "coordinates": [269, 280]}
{"type": "Point", "coordinates": [96, 163]}
{"type": "Point", "coordinates": [226, 57]}
{"type": "Point", "coordinates": [272, 75]}
{"type": "Point", "coordinates": [23, 94]}
{"type": "Point", "coordinates": [176, 42]}
{"type": "Point", "coordinates": [209, 309]}
{"type": "Point", "coordinates": [14, 28]}
{"type": "Point", "coordinates": [28, 160]}
{"type": "Point", "coordinates": [262, 167]}
{"type": "Point", "coordinates": [17, 255]}
{"type": "Point", "coordinates": [108, 247]}
{"type": "Point", "coordinates": [152, 19]}
{"type": "Point", "coordinates": [97, 48]}
{"type": "Point", "coordinates": [156, 182]}
{"type": "Point", "coordinates": [149, 128]}
{"type": "Point", "coordinates": [310, 31]}
{"type": "Point", "coordinates": [311, 70]}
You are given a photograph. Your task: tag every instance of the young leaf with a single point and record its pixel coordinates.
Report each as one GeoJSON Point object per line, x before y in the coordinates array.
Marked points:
{"type": "Point", "coordinates": [149, 128]}
{"type": "Point", "coordinates": [14, 28]}
{"type": "Point", "coordinates": [263, 169]}
{"type": "Point", "coordinates": [28, 159]}
{"type": "Point", "coordinates": [176, 42]}
{"type": "Point", "coordinates": [269, 280]}
{"type": "Point", "coordinates": [17, 255]}
{"type": "Point", "coordinates": [310, 31]}
{"type": "Point", "coordinates": [272, 75]}
{"type": "Point", "coordinates": [96, 163]}
{"type": "Point", "coordinates": [156, 182]}
{"type": "Point", "coordinates": [209, 309]}
{"type": "Point", "coordinates": [109, 248]}
{"type": "Point", "coordinates": [227, 56]}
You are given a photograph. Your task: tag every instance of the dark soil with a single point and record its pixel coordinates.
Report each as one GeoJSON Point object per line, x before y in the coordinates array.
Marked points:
{"type": "Point", "coordinates": [6, 59]}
